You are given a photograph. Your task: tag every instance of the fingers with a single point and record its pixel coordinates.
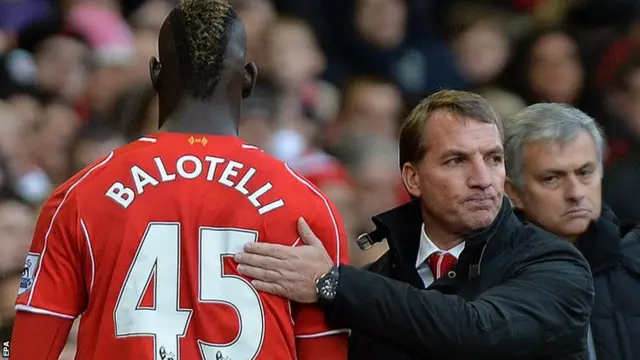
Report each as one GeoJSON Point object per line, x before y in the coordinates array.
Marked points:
{"type": "Point", "coordinates": [271, 288]}
{"type": "Point", "coordinates": [260, 261]}
{"type": "Point", "coordinates": [271, 250]}
{"type": "Point", "coordinates": [306, 234]}
{"type": "Point", "coordinates": [259, 273]}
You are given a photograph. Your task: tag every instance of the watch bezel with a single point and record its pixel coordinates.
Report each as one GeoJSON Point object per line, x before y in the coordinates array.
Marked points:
{"type": "Point", "coordinates": [327, 285]}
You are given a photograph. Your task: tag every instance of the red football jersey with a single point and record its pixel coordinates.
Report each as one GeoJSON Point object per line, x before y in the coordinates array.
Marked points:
{"type": "Point", "coordinates": [141, 243]}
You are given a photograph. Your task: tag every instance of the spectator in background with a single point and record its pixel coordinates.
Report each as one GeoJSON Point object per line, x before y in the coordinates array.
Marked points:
{"type": "Point", "coordinates": [369, 105]}
{"type": "Point", "coordinates": [18, 76]}
{"type": "Point", "coordinates": [547, 66]}
{"type": "Point", "coordinates": [60, 55]}
{"type": "Point", "coordinates": [303, 103]}
{"type": "Point", "coordinates": [371, 37]}
{"type": "Point", "coordinates": [623, 175]}
{"type": "Point", "coordinates": [554, 164]}
{"type": "Point", "coordinates": [112, 49]}
{"type": "Point", "coordinates": [624, 109]}
{"type": "Point", "coordinates": [16, 145]}
{"type": "Point", "coordinates": [481, 46]}
{"type": "Point", "coordinates": [12, 130]}
{"type": "Point", "coordinates": [294, 64]}
{"type": "Point", "coordinates": [54, 134]}
{"type": "Point", "coordinates": [17, 221]}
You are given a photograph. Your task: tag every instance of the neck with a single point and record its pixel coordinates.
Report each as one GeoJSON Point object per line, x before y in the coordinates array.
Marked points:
{"type": "Point", "coordinates": [213, 117]}
{"type": "Point", "coordinates": [444, 241]}
{"type": "Point", "coordinates": [441, 237]}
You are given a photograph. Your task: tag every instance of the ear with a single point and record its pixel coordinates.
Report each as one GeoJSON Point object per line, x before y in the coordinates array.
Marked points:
{"type": "Point", "coordinates": [411, 179]}
{"type": "Point", "coordinates": [514, 194]}
{"type": "Point", "coordinates": [155, 69]}
{"type": "Point", "coordinates": [250, 78]}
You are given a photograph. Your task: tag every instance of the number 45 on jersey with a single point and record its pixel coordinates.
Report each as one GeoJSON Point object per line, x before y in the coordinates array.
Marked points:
{"type": "Point", "coordinates": [159, 255]}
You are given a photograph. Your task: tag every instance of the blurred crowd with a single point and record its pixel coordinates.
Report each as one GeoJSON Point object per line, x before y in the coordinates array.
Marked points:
{"type": "Point", "coordinates": [336, 80]}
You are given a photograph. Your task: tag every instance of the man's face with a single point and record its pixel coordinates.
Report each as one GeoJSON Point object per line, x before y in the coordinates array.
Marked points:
{"type": "Point", "coordinates": [482, 52]}
{"type": "Point", "coordinates": [381, 22]}
{"type": "Point", "coordinates": [374, 108]}
{"type": "Point", "coordinates": [555, 72]}
{"type": "Point", "coordinates": [562, 185]}
{"type": "Point", "coordinates": [61, 66]}
{"type": "Point", "coordinates": [294, 58]}
{"type": "Point", "coordinates": [461, 177]}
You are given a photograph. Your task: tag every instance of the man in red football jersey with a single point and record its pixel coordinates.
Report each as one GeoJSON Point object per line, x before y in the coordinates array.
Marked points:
{"type": "Point", "coordinates": [141, 243]}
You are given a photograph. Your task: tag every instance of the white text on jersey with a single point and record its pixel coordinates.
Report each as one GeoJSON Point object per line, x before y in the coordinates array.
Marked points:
{"type": "Point", "coordinates": [191, 167]}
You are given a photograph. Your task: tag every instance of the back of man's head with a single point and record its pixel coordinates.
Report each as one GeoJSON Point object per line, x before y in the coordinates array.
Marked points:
{"type": "Point", "coordinates": [202, 30]}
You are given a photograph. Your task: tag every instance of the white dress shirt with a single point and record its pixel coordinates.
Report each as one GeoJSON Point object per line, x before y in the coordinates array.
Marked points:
{"type": "Point", "coordinates": [426, 249]}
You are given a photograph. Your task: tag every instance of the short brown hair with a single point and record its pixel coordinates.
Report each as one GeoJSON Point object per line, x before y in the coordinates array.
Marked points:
{"type": "Point", "coordinates": [413, 145]}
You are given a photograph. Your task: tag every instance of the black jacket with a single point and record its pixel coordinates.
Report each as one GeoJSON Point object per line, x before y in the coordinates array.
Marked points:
{"type": "Point", "coordinates": [518, 292]}
{"type": "Point", "coordinates": [619, 187]}
{"type": "Point", "coordinates": [613, 253]}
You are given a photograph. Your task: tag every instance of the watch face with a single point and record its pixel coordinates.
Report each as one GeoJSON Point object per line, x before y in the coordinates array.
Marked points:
{"type": "Point", "coordinates": [327, 286]}
{"type": "Point", "coordinates": [328, 289]}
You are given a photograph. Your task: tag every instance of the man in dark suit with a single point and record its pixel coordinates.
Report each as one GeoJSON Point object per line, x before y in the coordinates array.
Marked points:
{"type": "Point", "coordinates": [463, 278]}
{"type": "Point", "coordinates": [554, 164]}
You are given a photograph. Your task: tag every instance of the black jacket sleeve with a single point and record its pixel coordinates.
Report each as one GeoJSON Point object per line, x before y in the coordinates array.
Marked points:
{"type": "Point", "coordinates": [549, 298]}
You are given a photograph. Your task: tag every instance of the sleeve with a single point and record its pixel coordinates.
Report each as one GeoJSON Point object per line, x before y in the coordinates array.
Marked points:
{"type": "Point", "coordinates": [52, 280]}
{"type": "Point", "coordinates": [51, 333]}
{"type": "Point", "coordinates": [550, 299]}
{"type": "Point", "coordinates": [327, 224]}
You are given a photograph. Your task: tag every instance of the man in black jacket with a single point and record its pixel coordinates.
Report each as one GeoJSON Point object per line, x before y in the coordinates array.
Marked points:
{"type": "Point", "coordinates": [464, 278]}
{"type": "Point", "coordinates": [554, 164]}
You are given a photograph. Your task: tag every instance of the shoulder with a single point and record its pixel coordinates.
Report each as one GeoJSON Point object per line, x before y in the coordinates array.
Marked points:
{"type": "Point", "coordinates": [630, 249]}
{"type": "Point", "coordinates": [306, 199]}
{"type": "Point", "coordinates": [542, 245]}
{"type": "Point", "coordinates": [632, 237]}
{"type": "Point", "coordinates": [85, 181]}
{"type": "Point", "coordinates": [298, 189]}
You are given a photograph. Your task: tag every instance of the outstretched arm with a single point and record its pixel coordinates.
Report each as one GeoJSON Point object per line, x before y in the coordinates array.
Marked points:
{"type": "Point", "coordinates": [549, 299]}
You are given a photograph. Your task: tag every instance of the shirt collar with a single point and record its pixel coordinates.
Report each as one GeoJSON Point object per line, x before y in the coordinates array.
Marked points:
{"type": "Point", "coordinates": [427, 248]}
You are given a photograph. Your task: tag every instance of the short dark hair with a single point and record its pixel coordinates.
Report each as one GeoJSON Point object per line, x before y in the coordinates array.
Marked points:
{"type": "Point", "coordinates": [201, 31]}
{"type": "Point", "coordinates": [413, 145]}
